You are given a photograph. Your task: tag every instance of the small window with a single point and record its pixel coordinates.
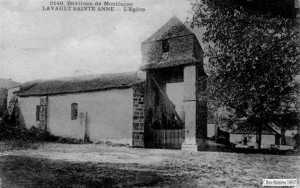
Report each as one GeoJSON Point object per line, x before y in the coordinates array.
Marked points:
{"type": "Point", "coordinates": [74, 111]}
{"type": "Point", "coordinates": [37, 112]}
{"type": "Point", "coordinates": [165, 46]}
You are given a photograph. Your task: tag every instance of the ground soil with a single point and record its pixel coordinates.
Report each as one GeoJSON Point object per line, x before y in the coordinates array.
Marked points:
{"type": "Point", "coordinates": [94, 165]}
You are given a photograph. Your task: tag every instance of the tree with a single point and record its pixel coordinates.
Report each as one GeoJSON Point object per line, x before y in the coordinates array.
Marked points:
{"type": "Point", "coordinates": [252, 61]}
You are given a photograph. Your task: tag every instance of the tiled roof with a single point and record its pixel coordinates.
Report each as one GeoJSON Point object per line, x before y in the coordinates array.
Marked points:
{"type": "Point", "coordinates": [80, 84]}
{"type": "Point", "coordinates": [246, 128]}
{"type": "Point", "coordinates": [169, 63]}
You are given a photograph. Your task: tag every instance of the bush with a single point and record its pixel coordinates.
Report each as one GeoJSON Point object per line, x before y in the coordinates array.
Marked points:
{"type": "Point", "coordinates": [13, 131]}
{"type": "Point", "coordinates": [10, 130]}
{"type": "Point", "coordinates": [69, 140]}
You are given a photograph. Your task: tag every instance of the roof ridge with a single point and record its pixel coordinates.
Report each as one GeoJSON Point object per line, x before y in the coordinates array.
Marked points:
{"type": "Point", "coordinates": [174, 27]}
{"type": "Point", "coordinates": [88, 76]}
{"type": "Point", "coordinates": [95, 83]}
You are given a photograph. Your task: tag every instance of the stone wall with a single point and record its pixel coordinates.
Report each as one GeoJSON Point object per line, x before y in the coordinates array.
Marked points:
{"type": "Point", "coordinates": [138, 116]}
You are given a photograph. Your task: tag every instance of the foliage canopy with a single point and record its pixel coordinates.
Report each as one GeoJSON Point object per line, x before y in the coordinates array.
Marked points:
{"type": "Point", "coordinates": [253, 60]}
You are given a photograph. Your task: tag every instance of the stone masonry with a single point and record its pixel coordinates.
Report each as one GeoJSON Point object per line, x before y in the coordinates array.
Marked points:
{"type": "Point", "coordinates": [138, 116]}
{"type": "Point", "coordinates": [184, 53]}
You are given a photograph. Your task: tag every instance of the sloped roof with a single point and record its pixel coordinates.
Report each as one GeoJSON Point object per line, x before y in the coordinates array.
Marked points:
{"type": "Point", "coordinates": [173, 28]}
{"type": "Point", "coordinates": [246, 128]}
{"type": "Point", "coordinates": [80, 84]}
{"type": "Point", "coordinates": [169, 63]}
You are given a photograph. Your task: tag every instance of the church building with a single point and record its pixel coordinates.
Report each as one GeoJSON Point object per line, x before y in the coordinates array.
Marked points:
{"type": "Point", "coordinates": [163, 105]}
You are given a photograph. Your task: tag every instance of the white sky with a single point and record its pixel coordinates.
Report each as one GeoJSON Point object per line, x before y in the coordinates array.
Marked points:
{"type": "Point", "coordinates": [35, 44]}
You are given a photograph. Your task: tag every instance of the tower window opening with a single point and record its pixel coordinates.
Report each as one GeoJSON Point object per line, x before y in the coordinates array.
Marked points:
{"type": "Point", "coordinates": [165, 46]}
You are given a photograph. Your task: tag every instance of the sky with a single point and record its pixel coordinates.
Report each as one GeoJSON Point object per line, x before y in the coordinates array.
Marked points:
{"type": "Point", "coordinates": [36, 44]}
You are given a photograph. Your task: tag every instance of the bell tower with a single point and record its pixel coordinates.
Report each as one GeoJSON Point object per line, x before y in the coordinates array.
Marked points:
{"type": "Point", "coordinates": [173, 55]}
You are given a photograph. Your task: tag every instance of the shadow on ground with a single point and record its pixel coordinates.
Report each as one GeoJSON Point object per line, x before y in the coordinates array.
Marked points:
{"type": "Point", "coordinates": [19, 171]}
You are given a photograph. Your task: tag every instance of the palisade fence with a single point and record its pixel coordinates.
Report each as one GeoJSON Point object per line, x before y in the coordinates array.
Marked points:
{"type": "Point", "coordinates": [167, 138]}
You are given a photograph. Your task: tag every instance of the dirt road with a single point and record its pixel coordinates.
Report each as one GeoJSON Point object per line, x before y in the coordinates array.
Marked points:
{"type": "Point", "coordinates": [90, 165]}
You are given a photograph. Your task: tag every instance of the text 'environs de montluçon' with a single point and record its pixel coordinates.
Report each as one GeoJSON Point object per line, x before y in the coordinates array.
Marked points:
{"type": "Point", "coordinates": [92, 6]}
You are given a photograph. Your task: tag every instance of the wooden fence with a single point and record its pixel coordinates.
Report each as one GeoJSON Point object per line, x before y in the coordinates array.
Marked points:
{"type": "Point", "coordinates": [167, 138]}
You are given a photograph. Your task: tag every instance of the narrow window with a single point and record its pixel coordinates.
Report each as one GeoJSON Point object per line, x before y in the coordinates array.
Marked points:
{"type": "Point", "coordinates": [165, 46]}
{"type": "Point", "coordinates": [74, 111]}
{"type": "Point", "coordinates": [37, 112]}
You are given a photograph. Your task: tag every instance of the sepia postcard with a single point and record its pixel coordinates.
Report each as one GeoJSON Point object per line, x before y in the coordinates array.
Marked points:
{"type": "Point", "coordinates": [149, 93]}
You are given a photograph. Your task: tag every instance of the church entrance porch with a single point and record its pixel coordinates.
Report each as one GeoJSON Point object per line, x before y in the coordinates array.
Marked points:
{"type": "Point", "coordinates": [175, 111]}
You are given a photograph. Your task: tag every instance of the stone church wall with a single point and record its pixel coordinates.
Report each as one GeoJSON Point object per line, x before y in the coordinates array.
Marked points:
{"type": "Point", "coordinates": [138, 116]}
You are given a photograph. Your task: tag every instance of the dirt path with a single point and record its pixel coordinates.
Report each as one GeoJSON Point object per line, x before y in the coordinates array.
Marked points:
{"type": "Point", "coordinates": [126, 167]}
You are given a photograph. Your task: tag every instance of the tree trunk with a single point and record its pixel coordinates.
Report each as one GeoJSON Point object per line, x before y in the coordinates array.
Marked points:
{"type": "Point", "coordinates": [216, 131]}
{"type": "Point", "coordinates": [283, 141]}
{"type": "Point", "coordinates": [259, 133]}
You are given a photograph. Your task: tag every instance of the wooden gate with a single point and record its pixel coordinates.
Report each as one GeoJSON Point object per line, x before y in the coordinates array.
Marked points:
{"type": "Point", "coordinates": [167, 138]}
{"type": "Point", "coordinates": [163, 126]}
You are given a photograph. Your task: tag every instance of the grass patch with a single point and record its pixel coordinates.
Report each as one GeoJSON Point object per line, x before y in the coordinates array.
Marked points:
{"type": "Point", "coordinates": [7, 145]}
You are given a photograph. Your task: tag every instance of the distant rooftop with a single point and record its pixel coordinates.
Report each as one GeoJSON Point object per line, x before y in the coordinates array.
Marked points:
{"type": "Point", "coordinates": [7, 83]}
{"type": "Point", "coordinates": [246, 128]}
